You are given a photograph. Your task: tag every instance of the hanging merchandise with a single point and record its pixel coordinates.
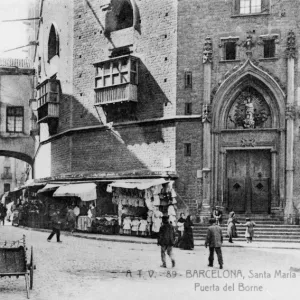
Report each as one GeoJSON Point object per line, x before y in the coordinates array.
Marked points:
{"type": "Point", "coordinates": [142, 203]}
{"type": "Point", "coordinates": [135, 226]}
{"type": "Point", "coordinates": [127, 225]}
{"type": "Point", "coordinates": [143, 227]}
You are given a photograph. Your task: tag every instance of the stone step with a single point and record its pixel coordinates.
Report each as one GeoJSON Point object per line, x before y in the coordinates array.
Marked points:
{"type": "Point", "coordinates": [258, 235]}
{"type": "Point", "coordinates": [255, 232]}
{"type": "Point", "coordinates": [257, 226]}
{"type": "Point", "coordinates": [271, 240]}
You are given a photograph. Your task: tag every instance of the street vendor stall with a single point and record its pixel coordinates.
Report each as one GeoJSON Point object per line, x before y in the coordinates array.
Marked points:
{"type": "Point", "coordinates": [141, 204]}
{"type": "Point", "coordinates": [87, 194]}
{"type": "Point", "coordinates": [106, 224]}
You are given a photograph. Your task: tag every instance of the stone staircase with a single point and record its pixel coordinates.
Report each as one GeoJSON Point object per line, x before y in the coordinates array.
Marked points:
{"type": "Point", "coordinates": [267, 229]}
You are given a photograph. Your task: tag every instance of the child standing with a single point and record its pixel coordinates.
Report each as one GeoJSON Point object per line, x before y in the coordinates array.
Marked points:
{"type": "Point", "coordinates": [249, 233]}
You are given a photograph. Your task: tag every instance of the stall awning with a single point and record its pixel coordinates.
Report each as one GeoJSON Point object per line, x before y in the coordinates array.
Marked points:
{"type": "Point", "coordinates": [86, 191]}
{"type": "Point", "coordinates": [49, 187]}
{"type": "Point", "coordinates": [140, 184]}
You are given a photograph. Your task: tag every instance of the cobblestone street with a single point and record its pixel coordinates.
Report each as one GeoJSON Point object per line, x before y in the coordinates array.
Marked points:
{"type": "Point", "coordinates": [88, 269]}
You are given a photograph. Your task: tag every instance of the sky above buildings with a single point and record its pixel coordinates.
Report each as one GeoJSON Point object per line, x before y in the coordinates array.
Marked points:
{"type": "Point", "coordinates": [13, 34]}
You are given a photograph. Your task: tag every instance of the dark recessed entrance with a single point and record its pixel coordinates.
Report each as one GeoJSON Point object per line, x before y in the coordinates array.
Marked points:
{"type": "Point", "coordinates": [248, 178]}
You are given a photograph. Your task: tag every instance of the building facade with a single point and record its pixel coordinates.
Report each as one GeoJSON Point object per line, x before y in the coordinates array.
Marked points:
{"type": "Point", "coordinates": [202, 92]}
{"type": "Point", "coordinates": [17, 122]}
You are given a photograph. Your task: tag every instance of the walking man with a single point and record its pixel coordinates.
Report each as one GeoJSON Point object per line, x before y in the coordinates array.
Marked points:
{"type": "Point", "coordinates": [166, 239]}
{"type": "Point", "coordinates": [214, 240]}
{"type": "Point", "coordinates": [55, 227]}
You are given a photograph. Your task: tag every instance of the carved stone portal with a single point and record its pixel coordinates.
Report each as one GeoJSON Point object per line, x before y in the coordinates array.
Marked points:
{"type": "Point", "coordinates": [249, 111]}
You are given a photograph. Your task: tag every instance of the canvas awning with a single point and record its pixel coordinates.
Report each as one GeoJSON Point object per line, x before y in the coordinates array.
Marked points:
{"type": "Point", "coordinates": [49, 187]}
{"type": "Point", "coordinates": [86, 191]}
{"type": "Point", "coordinates": [140, 184]}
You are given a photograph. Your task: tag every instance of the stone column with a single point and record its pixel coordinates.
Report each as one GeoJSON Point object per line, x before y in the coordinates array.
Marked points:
{"type": "Point", "coordinates": [290, 112]}
{"type": "Point", "coordinates": [206, 141]}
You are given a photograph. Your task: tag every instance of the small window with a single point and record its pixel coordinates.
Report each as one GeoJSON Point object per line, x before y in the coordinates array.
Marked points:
{"type": "Point", "coordinates": [250, 6]}
{"type": "Point", "coordinates": [6, 187]}
{"type": "Point", "coordinates": [187, 149]}
{"type": "Point", "coordinates": [53, 43]}
{"type": "Point", "coordinates": [188, 108]}
{"type": "Point", "coordinates": [230, 50]}
{"type": "Point", "coordinates": [269, 48]}
{"type": "Point", "coordinates": [15, 119]}
{"type": "Point", "coordinates": [188, 79]}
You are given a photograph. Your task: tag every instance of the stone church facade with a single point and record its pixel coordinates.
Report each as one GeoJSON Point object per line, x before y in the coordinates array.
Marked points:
{"type": "Point", "coordinates": [202, 92]}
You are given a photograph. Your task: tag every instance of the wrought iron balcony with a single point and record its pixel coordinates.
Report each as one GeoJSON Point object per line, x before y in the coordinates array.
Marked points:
{"type": "Point", "coordinates": [114, 94]}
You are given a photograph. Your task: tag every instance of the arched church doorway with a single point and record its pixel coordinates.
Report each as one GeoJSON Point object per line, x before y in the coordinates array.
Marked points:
{"type": "Point", "coordinates": [248, 143]}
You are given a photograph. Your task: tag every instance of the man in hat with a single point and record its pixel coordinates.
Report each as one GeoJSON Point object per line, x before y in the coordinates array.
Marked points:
{"type": "Point", "coordinates": [214, 240]}
{"type": "Point", "coordinates": [166, 239]}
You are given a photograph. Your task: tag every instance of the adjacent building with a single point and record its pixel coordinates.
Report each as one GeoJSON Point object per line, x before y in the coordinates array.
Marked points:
{"type": "Point", "coordinates": [205, 93]}
{"type": "Point", "coordinates": [17, 122]}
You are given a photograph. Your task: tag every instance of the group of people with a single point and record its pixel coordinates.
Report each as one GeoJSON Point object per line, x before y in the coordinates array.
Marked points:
{"type": "Point", "coordinates": [167, 238]}
{"type": "Point", "coordinates": [214, 237]}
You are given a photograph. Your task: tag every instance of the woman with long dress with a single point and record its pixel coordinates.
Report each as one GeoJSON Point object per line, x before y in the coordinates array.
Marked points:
{"type": "Point", "coordinates": [187, 241]}
{"type": "Point", "coordinates": [231, 228]}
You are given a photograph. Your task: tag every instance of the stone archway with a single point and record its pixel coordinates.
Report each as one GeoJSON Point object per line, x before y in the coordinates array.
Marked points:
{"type": "Point", "coordinates": [249, 142]}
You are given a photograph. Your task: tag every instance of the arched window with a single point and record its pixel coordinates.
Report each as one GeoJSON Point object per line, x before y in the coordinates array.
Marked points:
{"type": "Point", "coordinates": [122, 14]}
{"type": "Point", "coordinates": [53, 43]}
{"type": "Point", "coordinates": [125, 16]}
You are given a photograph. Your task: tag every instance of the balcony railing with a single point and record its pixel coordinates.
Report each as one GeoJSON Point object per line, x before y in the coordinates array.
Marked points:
{"type": "Point", "coordinates": [47, 111]}
{"type": "Point", "coordinates": [117, 93]}
{"type": "Point", "coordinates": [6, 176]}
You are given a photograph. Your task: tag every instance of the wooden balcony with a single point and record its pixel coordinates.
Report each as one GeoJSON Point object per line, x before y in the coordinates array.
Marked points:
{"type": "Point", "coordinates": [49, 110]}
{"type": "Point", "coordinates": [115, 94]}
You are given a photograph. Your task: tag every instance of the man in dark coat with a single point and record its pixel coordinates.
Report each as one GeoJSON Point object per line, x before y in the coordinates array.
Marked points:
{"type": "Point", "coordinates": [56, 222]}
{"type": "Point", "coordinates": [166, 239]}
{"type": "Point", "coordinates": [3, 211]}
{"type": "Point", "coordinates": [214, 240]}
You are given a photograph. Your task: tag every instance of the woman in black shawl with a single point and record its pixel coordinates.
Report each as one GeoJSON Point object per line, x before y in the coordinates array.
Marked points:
{"type": "Point", "coordinates": [187, 241]}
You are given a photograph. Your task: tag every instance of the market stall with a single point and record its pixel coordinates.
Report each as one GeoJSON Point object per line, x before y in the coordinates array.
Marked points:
{"type": "Point", "coordinates": [85, 210]}
{"type": "Point", "coordinates": [141, 204]}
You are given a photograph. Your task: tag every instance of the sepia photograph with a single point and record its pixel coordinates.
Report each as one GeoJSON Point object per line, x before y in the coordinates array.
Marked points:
{"type": "Point", "coordinates": [149, 149]}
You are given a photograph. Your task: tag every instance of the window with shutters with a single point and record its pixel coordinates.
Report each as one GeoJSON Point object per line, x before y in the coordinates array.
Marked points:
{"type": "Point", "coordinates": [248, 7]}
{"type": "Point", "coordinates": [15, 119]}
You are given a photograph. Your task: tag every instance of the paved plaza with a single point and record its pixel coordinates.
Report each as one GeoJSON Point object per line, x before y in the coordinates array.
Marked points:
{"type": "Point", "coordinates": [92, 269]}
